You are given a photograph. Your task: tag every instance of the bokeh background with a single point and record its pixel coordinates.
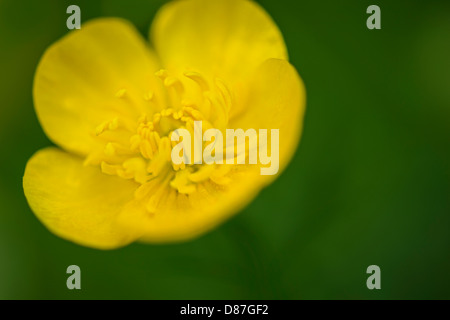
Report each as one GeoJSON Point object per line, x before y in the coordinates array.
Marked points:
{"type": "Point", "coordinates": [370, 183]}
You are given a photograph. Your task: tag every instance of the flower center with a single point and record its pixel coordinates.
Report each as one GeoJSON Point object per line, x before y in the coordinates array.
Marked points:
{"type": "Point", "coordinates": [140, 149]}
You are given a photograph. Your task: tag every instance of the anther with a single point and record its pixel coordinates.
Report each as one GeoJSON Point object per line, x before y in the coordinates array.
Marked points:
{"type": "Point", "coordinates": [162, 74]}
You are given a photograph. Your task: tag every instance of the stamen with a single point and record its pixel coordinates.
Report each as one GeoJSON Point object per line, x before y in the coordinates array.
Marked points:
{"type": "Point", "coordinates": [222, 181]}
{"type": "Point", "coordinates": [156, 118]}
{"type": "Point", "coordinates": [107, 125]}
{"type": "Point", "coordinates": [110, 169]}
{"type": "Point", "coordinates": [181, 182]}
{"type": "Point", "coordinates": [198, 78]}
{"type": "Point", "coordinates": [136, 168]}
{"type": "Point", "coordinates": [202, 174]}
{"type": "Point", "coordinates": [225, 93]}
{"type": "Point", "coordinates": [146, 149]}
{"type": "Point", "coordinates": [162, 74]}
{"type": "Point", "coordinates": [140, 149]}
{"type": "Point", "coordinates": [173, 82]}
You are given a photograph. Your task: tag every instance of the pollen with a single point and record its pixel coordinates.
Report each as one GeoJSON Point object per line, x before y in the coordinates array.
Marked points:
{"type": "Point", "coordinates": [141, 151]}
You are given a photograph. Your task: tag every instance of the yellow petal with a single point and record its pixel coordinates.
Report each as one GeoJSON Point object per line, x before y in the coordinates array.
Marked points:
{"type": "Point", "coordinates": [274, 99]}
{"type": "Point", "coordinates": [181, 217]}
{"type": "Point", "coordinates": [77, 203]}
{"type": "Point", "coordinates": [93, 75]}
{"type": "Point", "coordinates": [225, 38]}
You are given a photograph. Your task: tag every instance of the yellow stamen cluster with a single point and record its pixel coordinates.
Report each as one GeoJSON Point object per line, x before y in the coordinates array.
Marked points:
{"type": "Point", "coordinates": [141, 149]}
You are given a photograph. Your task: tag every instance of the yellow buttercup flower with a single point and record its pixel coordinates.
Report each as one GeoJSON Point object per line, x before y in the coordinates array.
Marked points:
{"type": "Point", "coordinates": [111, 103]}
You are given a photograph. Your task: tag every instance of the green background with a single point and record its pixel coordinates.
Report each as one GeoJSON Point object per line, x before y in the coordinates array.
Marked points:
{"type": "Point", "coordinates": [369, 184]}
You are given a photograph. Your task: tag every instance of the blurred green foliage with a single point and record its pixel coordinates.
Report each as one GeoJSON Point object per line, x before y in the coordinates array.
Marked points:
{"type": "Point", "coordinates": [370, 183]}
